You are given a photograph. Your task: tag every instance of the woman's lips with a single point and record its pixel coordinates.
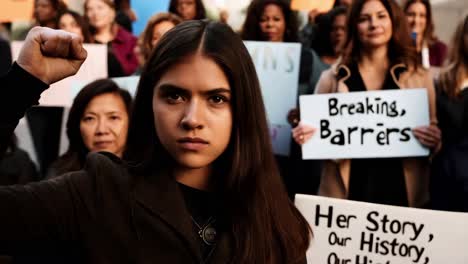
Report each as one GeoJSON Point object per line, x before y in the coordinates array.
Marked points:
{"type": "Point", "coordinates": [192, 144]}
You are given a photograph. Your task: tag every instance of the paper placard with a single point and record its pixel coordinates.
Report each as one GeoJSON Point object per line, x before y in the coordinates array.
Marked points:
{"type": "Point", "coordinates": [365, 124]}
{"type": "Point", "coordinates": [347, 232]}
{"type": "Point", "coordinates": [321, 6]}
{"type": "Point", "coordinates": [59, 93]}
{"type": "Point", "coordinates": [277, 67]}
{"type": "Point", "coordinates": [16, 10]}
{"type": "Point", "coordinates": [127, 83]}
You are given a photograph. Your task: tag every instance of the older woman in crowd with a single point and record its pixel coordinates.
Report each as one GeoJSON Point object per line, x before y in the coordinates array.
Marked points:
{"type": "Point", "coordinates": [98, 121]}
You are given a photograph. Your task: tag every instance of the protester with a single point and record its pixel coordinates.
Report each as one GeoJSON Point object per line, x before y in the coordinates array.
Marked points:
{"type": "Point", "coordinates": [125, 14]}
{"type": "Point", "coordinates": [331, 35]}
{"type": "Point", "coordinates": [198, 181]}
{"type": "Point", "coordinates": [188, 9]}
{"type": "Point", "coordinates": [98, 121]}
{"type": "Point", "coordinates": [73, 22]}
{"type": "Point", "coordinates": [273, 20]}
{"type": "Point", "coordinates": [121, 43]}
{"type": "Point", "coordinates": [378, 56]}
{"type": "Point", "coordinates": [450, 173]}
{"type": "Point", "coordinates": [419, 15]}
{"type": "Point", "coordinates": [46, 12]}
{"type": "Point", "coordinates": [156, 27]}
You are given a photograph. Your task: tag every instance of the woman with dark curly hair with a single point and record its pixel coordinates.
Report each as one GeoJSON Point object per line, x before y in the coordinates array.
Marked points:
{"type": "Point", "coordinates": [270, 20]}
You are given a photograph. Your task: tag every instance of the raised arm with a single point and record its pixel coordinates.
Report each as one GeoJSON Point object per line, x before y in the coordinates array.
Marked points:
{"type": "Point", "coordinates": [47, 56]}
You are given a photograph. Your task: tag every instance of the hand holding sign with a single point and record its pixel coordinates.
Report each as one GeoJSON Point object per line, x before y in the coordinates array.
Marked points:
{"type": "Point", "coordinates": [302, 133]}
{"type": "Point", "coordinates": [51, 55]}
{"type": "Point", "coordinates": [429, 136]}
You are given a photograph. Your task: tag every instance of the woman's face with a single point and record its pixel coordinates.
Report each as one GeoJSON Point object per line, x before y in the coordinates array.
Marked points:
{"type": "Point", "coordinates": [44, 11]}
{"type": "Point", "coordinates": [187, 9]}
{"type": "Point", "coordinates": [416, 14]}
{"type": "Point", "coordinates": [192, 112]}
{"type": "Point", "coordinates": [104, 124]}
{"type": "Point", "coordinates": [159, 30]}
{"type": "Point", "coordinates": [374, 25]}
{"type": "Point", "coordinates": [69, 24]}
{"type": "Point", "coordinates": [338, 32]}
{"type": "Point", "coordinates": [273, 23]}
{"type": "Point", "coordinates": [100, 14]}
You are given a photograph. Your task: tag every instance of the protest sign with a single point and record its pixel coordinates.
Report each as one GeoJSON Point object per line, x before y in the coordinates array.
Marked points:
{"type": "Point", "coordinates": [16, 10]}
{"type": "Point", "coordinates": [347, 232]}
{"type": "Point", "coordinates": [365, 124]}
{"type": "Point", "coordinates": [277, 66]}
{"type": "Point", "coordinates": [95, 67]}
{"type": "Point", "coordinates": [127, 83]}
{"type": "Point", "coordinates": [320, 5]}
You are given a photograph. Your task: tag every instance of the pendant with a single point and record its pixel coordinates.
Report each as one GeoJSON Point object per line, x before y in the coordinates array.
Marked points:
{"type": "Point", "coordinates": [208, 234]}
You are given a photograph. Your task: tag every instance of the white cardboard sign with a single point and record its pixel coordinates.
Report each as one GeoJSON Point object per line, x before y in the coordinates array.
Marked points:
{"type": "Point", "coordinates": [347, 232]}
{"type": "Point", "coordinates": [59, 93]}
{"type": "Point", "coordinates": [365, 124]}
{"type": "Point", "coordinates": [277, 67]}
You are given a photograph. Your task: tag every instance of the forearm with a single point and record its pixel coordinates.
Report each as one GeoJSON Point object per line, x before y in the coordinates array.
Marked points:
{"type": "Point", "coordinates": [19, 90]}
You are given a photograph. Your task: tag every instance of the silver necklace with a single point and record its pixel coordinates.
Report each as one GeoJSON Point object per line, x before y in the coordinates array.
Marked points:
{"type": "Point", "coordinates": [206, 232]}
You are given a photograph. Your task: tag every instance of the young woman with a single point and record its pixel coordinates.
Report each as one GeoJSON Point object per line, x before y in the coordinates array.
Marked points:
{"type": "Point", "coordinates": [98, 121]}
{"type": "Point", "coordinates": [121, 43]}
{"type": "Point", "coordinates": [73, 22]}
{"type": "Point", "coordinates": [198, 183]}
{"type": "Point", "coordinates": [450, 173]}
{"type": "Point", "coordinates": [419, 15]}
{"type": "Point", "coordinates": [188, 9]}
{"type": "Point", "coordinates": [379, 56]}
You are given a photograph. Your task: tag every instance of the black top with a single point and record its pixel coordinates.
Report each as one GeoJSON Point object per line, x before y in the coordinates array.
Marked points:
{"type": "Point", "coordinates": [376, 180]}
{"type": "Point", "coordinates": [203, 209]}
{"type": "Point", "coordinates": [453, 116]}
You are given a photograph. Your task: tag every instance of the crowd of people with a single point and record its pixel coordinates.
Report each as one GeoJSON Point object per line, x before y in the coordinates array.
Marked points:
{"type": "Point", "coordinates": [198, 117]}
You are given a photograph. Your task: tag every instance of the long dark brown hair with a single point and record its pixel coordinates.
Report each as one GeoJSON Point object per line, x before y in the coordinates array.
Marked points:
{"type": "Point", "coordinates": [199, 9]}
{"type": "Point", "coordinates": [400, 47]}
{"type": "Point", "coordinates": [251, 28]}
{"type": "Point", "coordinates": [73, 159]}
{"type": "Point", "coordinates": [265, 225]}
{"type": "Point", "coordinates": [429, 35]}
{"type": "Point", "coordinates": [452, 76]}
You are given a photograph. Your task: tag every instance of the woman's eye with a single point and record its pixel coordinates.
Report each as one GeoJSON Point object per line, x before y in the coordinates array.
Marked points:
{"type": "Point", "coordinates": [87, 118]}
{"type": "Point", "coordinates": [218, 99]}
{"type": "Point", "coordinates": [115, 117]}
{"type": "Point", "coordinates": [174, 97]}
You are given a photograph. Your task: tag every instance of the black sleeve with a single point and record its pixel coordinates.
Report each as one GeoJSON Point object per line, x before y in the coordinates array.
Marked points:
{"type": "Point", "coordinates": [5, 56]}
{"type": "Point", "coordinates": [19, 90]}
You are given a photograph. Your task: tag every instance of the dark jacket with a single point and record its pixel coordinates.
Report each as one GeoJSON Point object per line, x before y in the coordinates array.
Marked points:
{"type": "Point", "coordinates": [109, 214]}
